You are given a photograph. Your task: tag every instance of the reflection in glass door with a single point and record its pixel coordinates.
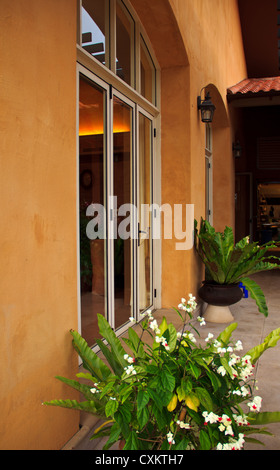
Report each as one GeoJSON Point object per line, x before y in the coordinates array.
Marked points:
{"type": "Point", "coordinates": [115, 171]}
{"type": "Point", "coordinates": [145, 200]}
{"type": "Point", "coordinates": [122, 190]}
{"type": "Point", "coordinates": [92, 155]}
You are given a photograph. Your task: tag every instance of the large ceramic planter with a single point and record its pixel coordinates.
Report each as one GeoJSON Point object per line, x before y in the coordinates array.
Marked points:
{"type": "Point", "coordinates": [219, 297]}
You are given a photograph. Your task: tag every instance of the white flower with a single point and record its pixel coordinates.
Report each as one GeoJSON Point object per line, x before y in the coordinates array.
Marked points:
{"type": "Point", "coordinates": [130, 370]}
{"type": "Point", "coordinates": [244, 391]}
{"type": "Point", "coordinates": [94, 390]}
{"type": "Point", "coordinates": [233, 359]}
{"type": "Point", "coordinates": [221, 370]}
{"type": "Point", "coordinates": [256, 404]}
{"type": "Point", "coordinates": [154, 326]}
{"type": "Point", "coordinates": [221, 350]}
{"type": "Point", "coordinates": [210, 336]}
{"type": "Point", "coordinates": [112, 398]}
{"type": "Point", "coordinates": [170, 438]}
{"type": "Point", "coordinates": [229, 430]}
{"type": "Point", "coordinates": [240, 420]}
{"type": "Point", "coordinates": [129, 359]}
{"type": "Point", "coordinates": [183, 425]}
{"type": "Point", "coordinates": [236, 392]}
{"type": "Point", "coordinates": [210, 417]}
{"type": "Point", "coordinates": [201, 321]}
{"type": "Point", "coordinates": [192, 337]}
{"type": "Point", "coordinates": [238, 346]}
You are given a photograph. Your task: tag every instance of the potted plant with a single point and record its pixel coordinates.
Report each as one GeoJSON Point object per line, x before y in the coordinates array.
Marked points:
{"type": "Point", "coordinates": [171, 393]}
{"type": "Point", "coordinates": [227, 265]}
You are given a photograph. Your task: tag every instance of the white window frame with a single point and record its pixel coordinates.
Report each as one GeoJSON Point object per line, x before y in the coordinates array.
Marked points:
{"type": "Point", "coordinates": [96, 71]}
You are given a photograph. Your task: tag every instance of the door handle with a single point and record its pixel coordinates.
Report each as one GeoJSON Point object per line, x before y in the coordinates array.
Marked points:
{"type": "Point", "coordinates": [142, 231]}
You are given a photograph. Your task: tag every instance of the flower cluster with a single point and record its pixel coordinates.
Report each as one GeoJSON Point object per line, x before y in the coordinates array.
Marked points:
{"type": "Point", "coordinates": [129, 369]}
{"type": "Point", "coordinates": [224, 423]}
{"type": "Point", "coordinates": [175, 391]}
{"type": "Point", "coordinates": [95, 388]}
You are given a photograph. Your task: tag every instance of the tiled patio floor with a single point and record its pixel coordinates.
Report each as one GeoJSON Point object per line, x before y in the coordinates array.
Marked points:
{"type": "Point", "coordinates": [252, 328]}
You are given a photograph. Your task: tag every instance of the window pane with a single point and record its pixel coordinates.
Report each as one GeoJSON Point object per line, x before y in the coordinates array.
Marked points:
{"type": "Point", "coordinates": [122, 190]}
{"type": "Point", "coordinates": [124, 44]}
{"type": "Point", "coordinates": [93, 28]}
{"type": "Point", "coordinates": [145, 201]}
{"type": "Point", "coordinates": [147, 73]}
{"type": "Point", "coordinates": [91, 170]}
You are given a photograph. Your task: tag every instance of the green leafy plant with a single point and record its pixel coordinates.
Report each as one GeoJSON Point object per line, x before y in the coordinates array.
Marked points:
{"type": "Point", "coordinates": [227, 262]}
{"type": "Point", "coordinates": [175, 391]}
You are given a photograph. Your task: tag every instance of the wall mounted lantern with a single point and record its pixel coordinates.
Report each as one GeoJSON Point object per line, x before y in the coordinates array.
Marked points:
{"type": "Point", "coordinates": [206, 107]}
{"type": "Point", "coordinates": [237, 149]}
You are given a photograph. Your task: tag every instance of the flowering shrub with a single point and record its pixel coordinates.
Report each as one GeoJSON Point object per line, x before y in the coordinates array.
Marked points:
{"type": "Point", "coordinates": [173, 392]}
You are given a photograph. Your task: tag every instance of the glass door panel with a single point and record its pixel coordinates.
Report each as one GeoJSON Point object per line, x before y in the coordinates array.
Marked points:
{"type": "Point", "coordinates": [92, 152]}
{"type": "Point", "coordinates": [145, 198]}
{"type": "Point", "coordinates": [122, 190]}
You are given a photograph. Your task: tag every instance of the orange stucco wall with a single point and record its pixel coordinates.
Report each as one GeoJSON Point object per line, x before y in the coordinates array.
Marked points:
{"type": "Point", "coordinates": [197, 43]}
{"type": "Point", "coordinates": [38, 230]}
{"type": "Point", "coordinates": [202, 47]}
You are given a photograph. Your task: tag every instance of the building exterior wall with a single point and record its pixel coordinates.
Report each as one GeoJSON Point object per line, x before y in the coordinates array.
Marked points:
{"type": "Point", "coordinates": [204, 48]}
{"type": "Point", "coordinates": [38, 226]}
{"type": "Point", "coordinates": [197, 44]}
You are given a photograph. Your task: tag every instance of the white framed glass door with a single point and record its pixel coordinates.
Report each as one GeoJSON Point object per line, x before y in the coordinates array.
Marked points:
{"type": "Point", "coordinates": [115, 206]}
{"type": "Point", "coordinates": [145, 195]}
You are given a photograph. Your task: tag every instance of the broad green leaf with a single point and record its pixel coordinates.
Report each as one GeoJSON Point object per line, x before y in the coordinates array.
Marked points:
{"type": "Point", "coordinates": [111, 407]}
{"type": "Point", "coordinates": [224, 363]}
{"type": "Point", "coordinates": [172, 341]}
{"type": "Point", "coordinates": [132, 442]}
{"type": "Point", "coordinates": [143, 416]}
{"type": "Point", "coordinates": [166, 380]}
{"type": "Point", "coordinates": [87, 406]}
{"type": "Point", "coordinates": [251, 440]}
{"type": "Point", "coordinates": [136, 342]}
{"type": "Point", "coordinates": [181, 393]}
{"type": "Point", "coordinates": [204, 398]}
{"type": "Point", "coordinates": [256, 293]}
{"type": "Point", "coordinates": [162, 416]}
{"type": "Point", "coordinates": [269, 342]}
{"type": "Point", "coordinates": [91, 361]}
{"type": "Point", "coordinates": [265, 417]}
{"type": "Point", "coordinates": [182, 444]}
{"type": "Point", "coordinates": [142, 399]}
{"type": "Point", "coordinates": [114, 436]}
{"type": "Point", "coordinates": [84, 389]}
{"type": "Point", "coordinates": [196, 371]}
{"type": "Point", "coordinates": [186, 385]}
{"type": "Point", "coordinates": [205, 443]}
{"type": "Point", "coordinates": [225, 335]}
{"type": "Point", "coordinates": [116, 348]}
{"type": "Point", "coordinates": [163, 326]}
{"type": "Point", "coordinates": [214, 380]}
{"type": "Point", "coordinates": [110, 357]}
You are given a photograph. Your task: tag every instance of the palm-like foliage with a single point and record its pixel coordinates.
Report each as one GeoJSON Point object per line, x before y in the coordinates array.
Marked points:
{"type": "Point", "coordinates": [227, 262]}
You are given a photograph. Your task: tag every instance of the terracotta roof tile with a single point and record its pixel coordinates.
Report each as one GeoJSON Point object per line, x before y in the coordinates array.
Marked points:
{"type": "Point", "coordinates": [255, 85]}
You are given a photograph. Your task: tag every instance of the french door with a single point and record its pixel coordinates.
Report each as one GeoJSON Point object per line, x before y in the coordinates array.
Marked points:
{"type": "Point", "coordinates": [115, 199]}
